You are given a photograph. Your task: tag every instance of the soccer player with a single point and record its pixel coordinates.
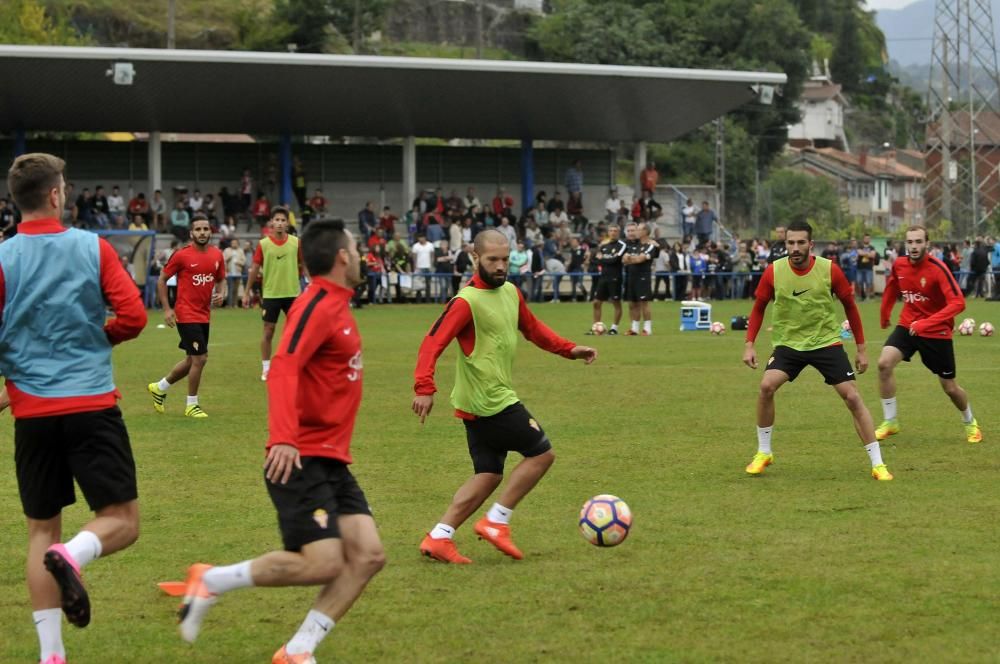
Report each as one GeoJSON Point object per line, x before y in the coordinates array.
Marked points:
{"type": "Point", "coordinates": [485, 317]}
{"type": "Point", "coordinates": [639, 255]}
{"type": "Point", "coordinates": [609, 282]}
{"type": "Point", "coordinates": [280, 256]}
{"type": "Point", "coordinates": [314, 391]}
{"type": "Point", "coordinates": [931, 300]}
{"type": "Point", "coordinates": [55, 352]}
{"type": "Point", "coordinates": [201, 282]}
{"type": "Point", "coordinates": [807, 333]}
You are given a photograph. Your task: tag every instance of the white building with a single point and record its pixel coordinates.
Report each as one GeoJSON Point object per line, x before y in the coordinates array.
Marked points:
{"type": "Point", "coordinates": [822, 106]}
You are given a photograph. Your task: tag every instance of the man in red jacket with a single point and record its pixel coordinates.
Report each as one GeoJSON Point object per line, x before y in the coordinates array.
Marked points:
{"type": "Point", "coordinates": [314, 390]}
{"type": "Point", "coordinates": [931, 300]}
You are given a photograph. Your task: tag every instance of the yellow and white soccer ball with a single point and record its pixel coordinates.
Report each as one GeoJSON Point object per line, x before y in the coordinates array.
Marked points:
{"type": "Point", "coordinates": [986, 329]}
{"type": "Point", "coordinates": [597, 328]}
{"type": "Point", "coordinates": [717, 328]}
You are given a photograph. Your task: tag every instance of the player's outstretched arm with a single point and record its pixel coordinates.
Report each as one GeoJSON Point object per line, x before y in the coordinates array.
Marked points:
{"type": "Point", "coordinates": [585, 353]}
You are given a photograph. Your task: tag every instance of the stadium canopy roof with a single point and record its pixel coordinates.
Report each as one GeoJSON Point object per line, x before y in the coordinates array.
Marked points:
{"type": "Point", "coordinates": [48, 88]}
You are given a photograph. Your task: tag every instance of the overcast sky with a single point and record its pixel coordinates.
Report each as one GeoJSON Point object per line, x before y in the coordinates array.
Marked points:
{"type": "Point", "coordinates": [888, 4]}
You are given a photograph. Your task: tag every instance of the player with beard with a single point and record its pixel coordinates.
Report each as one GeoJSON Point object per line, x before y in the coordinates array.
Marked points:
{"type": "Point", "coordinates": [807, 333]}
{"type": "Point", "coordinates": [201, 282]}
{"type": "Point", "coordinates": [931, 300]}
{"type": "Point", "coordinates": [314, 391]}
{"type": "Point", "coordinates": [485, 318]}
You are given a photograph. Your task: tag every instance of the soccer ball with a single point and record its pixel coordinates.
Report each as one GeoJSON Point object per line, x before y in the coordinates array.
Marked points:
{"type": "Point", "coordinates": [717, 328]}
{"type": "Point", "coordinates": [967, 327]}
{"type": "Point", "coordinates": [597, 328]}
{"type": "Point", "coordinates": [986, 330]}
{"type": "Point", "coordinates": [605, 520]}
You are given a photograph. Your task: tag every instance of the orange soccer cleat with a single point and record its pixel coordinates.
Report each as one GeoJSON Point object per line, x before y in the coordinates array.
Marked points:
{"type": "Point", "coordinates": [498, 534]}
{"type": "Point", "coordinates": [282, 657]}
{"type": "Point", "coordinates": [443, 550]}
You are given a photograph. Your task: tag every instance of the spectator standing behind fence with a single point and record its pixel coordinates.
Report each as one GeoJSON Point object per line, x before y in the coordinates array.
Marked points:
{"type": "Point", "coordinates": [116, 208]}
{"type": "Point", "coordinates": [661, 266]}
{"type": "Point", "coordinates": [649, 177]}
{"type": "Point", "coordinates": [519, 265]}
{"type": "Point", "coordinates": [579, 256]}
{"type": "Point", "coordinates": [689, 214]}
{"type": "Point", "coordinates": [180, 222]}
{"type": "Point", "coordinates": [375, 268]}
{"type": "Point", "coordinates": [423, 265]}
{"type": "Point", "coordinates": [574, 179]}
{"type": "Point", "coordinates": [463, 266]}
{"type": "Point", "coordinates": [574, 208]}
{"type": "Point", "coordinates": [100, 208]}
{"type": "Point", "coordinates": [699, 268]}
{"type": "Point", "coordinates": [236, 262]}
{"type": "Point", "coordinates": [367, 221]}
{"type": "Point", "coordinates": [612, 206]}
{"type": "Point", "coordinates": [849, 263]}
{"type": "Point", "coordinates": [979, 264]}
{"type": "Point", "coordinates": [867, 259]}
{"type": "Point", "coordinates": [704, 224]}
{"type": "Point", "coordinates": [777, 249]}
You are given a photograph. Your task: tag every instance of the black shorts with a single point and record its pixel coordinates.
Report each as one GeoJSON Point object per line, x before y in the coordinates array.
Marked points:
{"type": "Point", "coordinates": [194, 338]}
{"type": "Point", "coordinates": [273, 306]}
{"type": "Point", "coordinates": [511, 430]}
{"type": "Point", "coordinates": [308, 506]}
{"type": "Point", "coordinates": [831, 361]}
{"type": "Point", "coordinates": [608, 288]}
{"type": "Point", "coordinates": [938, 355]}
{"type": "Point", "coordinates": [638, 288]}
{"type": "Point", "coordinates": [697, 280]}
{"type": "Point", "coordinates": [92, 448]}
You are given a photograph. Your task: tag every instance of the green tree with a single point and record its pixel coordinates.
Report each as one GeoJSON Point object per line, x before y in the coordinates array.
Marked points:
{"type": "Point", "coordinates": [28, 22]}
{"type": "Point", "coordinates": [848, 65]}
{"type": "Point", "coordinates": [322, 26]}
{"type": "Point", "coordinates": [258, 29]}
{"type": "Point", "coordinates": [792, 196]}
{"type": "Point", "coordinates": [599, 33]}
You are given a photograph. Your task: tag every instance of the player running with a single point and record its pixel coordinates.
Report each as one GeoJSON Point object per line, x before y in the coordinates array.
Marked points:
{"type": "Point", "coordinates": [55, 352]}
{"type": "Point", "coordinates": [609, 281]}
{"type": "Point", "coordinates": [280, 256]}
{"type": "Point", "coordinates": [201, 282]}
{"type": "Point", "coordinates": [485, 317]}
{"type": "Point", "coordinates": [640, 252]}
{"type": "Point", "coordinates": [807, 333]}
{"type": "Point", "coordinates": [931, 300]}
{"type": "Point", "coordinates": [314, 391]}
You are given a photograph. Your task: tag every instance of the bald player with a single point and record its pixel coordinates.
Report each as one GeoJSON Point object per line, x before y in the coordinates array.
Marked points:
{"type": "Point", "coordinates": [485, 317]}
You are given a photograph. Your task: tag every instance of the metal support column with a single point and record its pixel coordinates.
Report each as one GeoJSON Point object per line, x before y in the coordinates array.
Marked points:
{"type": "Point", "coordinates": [527, 174]}
{"type": "Point", "coordinates": [409, 173]}
{"type": "Point", "coordinates": [285, 168]}
{"type": "Point", "coordinates": [155, 156]}
{"type": "Point", "coordinates": [638, 164]}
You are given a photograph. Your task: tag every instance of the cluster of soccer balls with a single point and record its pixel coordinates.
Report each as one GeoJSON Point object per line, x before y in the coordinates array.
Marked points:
{"type": "Point", "coordinates": [968, 327]}
{"type": "Point", "coordinates": [605, 520]}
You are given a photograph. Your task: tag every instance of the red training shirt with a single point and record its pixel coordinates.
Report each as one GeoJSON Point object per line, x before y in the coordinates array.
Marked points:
{"type": "Point", "coordinates": [197, 271]}
{"type": "Point", "coordinates": [841, 288]}
{"type": "Point", "coordinates": [931, 297]}
{"type": "Point", "coordinates": [130, 319]}
{"type": "Point", "coordinates": [457, 322]}
{"type": "Point", "coordinates": [314, 385]}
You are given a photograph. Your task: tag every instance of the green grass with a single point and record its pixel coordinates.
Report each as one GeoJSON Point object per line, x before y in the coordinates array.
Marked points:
{"type": "Point", "coordinates": [812, 562]}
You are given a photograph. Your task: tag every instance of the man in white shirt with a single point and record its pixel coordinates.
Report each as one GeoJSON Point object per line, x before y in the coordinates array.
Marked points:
{"type": "Point", "coordinates": [116, 207]}
{"type": "Point", "coordinates": [196, 202]}
{"type": "Point", "coordinates": [423, 265]}
{"type": "Point", "coordinates": [689, 213]}
{"type": "Point", "coordinates": [612, 205]}
{"type": "Point", "coordinates": [557, 217]}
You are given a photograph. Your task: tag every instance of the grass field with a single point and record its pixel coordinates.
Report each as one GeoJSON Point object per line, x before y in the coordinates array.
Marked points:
{"type": "Point", "coordinates": [812, 562]}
